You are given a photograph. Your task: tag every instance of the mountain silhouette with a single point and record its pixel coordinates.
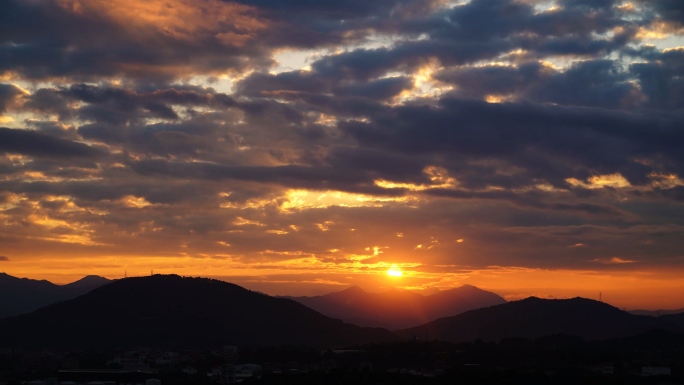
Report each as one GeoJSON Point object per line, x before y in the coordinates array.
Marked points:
{"type": "Point", "coordinates": [656, 313]}
{"type": "Point", "coordinates": [676, 319]}
{"type": "Point", "coordinates": [89, 282]}
{"type": "Point", "coordinates": [534, 317]}
{"type": "Point", "coordinates": [173, 311]}
{"type": "Point", "coordinates": [398, 309]}
{"type": "Point", "coordinates": [23, 295]}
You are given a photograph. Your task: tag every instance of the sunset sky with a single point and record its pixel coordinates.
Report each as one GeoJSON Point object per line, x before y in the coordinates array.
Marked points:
{"type": "Point", "coordinates": [529, 147]}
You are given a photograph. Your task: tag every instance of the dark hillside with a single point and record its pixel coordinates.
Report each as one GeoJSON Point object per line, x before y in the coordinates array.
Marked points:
{"type": "Point", "coordinates": [533, 318]}
{"type": "Point", "coordinates": [168, 310]}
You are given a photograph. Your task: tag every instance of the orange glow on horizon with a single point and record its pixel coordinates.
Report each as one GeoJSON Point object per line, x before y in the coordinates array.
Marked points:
{"type": "Point", "coordinates": [624, 289]}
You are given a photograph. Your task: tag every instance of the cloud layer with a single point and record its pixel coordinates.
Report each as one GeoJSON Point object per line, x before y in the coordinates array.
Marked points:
{"type": "Point", "coordinates": [335, 139]}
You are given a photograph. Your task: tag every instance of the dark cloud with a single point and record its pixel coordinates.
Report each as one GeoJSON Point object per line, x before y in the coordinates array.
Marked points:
{"type": "Point", "coordinates": [381, 89]}
{"type": "Point", "coordinates": [3, 258]}
{"type": "Point", "coordinates": [530, 200]}
{"type": "Point", "coordinates": [308, 24]}
{"type": "Point", "coordinates": [338, 9]}
{"type": "Point", "coordinates": [588, 3]}
{"type": "Point", "coordinates": [33, 143]}
{"type": "Point", "coordinates": [675, 193]}
{"type": "Point", "coordinates": [317, 178]}
{"type": "Point", "coordinates": [547, 142]}
{"type": "Point", "coordinates": [9, 96]}
{"type": "Point", "coordinates": [495, 80]}
{"type": "Point", "coordinates": [381, 164]}
{"type": "Point", "coordinates": [46, 101]}
{"type": "Point", "coordinates": [283, 83]}
{"type": "Point", "coordinates": [668, 10]}
{"type": "Point", "coordinates": [661, 79]}
{"type": "Point", "coordinates": [298, 84]}
{"type": "Point", "coordinates": [479, 30]}
{"type": "Point", "coordinates": [597, 83]}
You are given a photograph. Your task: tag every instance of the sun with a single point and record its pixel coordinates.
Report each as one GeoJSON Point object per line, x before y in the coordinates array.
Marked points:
{"type": "Point", "coordinates": [394, 271]}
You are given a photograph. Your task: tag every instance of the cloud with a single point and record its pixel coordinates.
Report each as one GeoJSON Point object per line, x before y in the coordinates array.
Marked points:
{"type": "Point", "coordinates": [10, 96]}
{"type": "Point", "coordinates": [597, 83]}
{"type": "Point", "coordinates": [162, 40]}
{"type": "Point", "coordinates": [533, 138]}
{"type": "Point", "coordinates": [305, 134]}
{"type": "Point", "coordinates": [150, 40]}
{"type": "Point", "coordinates": [613, 261]}
{"type": "Point", "coordinates": [3, 258]}
{"type": "Point", "coordinates": [36, 144]}
{"type": "Point", "coordinates": [661, 79]}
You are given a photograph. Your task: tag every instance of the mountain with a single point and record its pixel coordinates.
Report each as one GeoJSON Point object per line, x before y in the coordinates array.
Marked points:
{"type": "Point", "coordinates": [89, 282]}
{"type": "Point", "coordinates": [398, 309]}
{"type": "Point", "coordinates": [655, 313]}
{"type": "Point", "coordinates": [676, 319]}
{"type": "Point", "coordinates": [173, 311]}
{"type": "Point", "coordinates": [533, 318]}
{"type": "Point", "coordinates": [23, 295]}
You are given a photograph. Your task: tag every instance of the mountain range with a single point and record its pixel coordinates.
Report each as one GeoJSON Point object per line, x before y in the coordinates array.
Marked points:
{"type": "Point", "coordinates": [23, 295]}
{"type": "Point", "coordinates": [181, 312]}
{"type": "Point", "coordinates": [398, 309]}
{"type": "Point", "coordinates": [534, 318]}
{"type": "Point", "coordinates": [174, 311]}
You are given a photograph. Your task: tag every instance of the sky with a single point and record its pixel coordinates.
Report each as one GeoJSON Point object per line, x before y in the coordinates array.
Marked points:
{"type": "Point", "coordinates": [529, 147]}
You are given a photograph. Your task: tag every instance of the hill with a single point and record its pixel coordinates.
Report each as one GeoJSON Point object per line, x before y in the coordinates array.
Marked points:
{"type": "Point", "coordinates": [173, 311]}
{"type": "Point", "coordinates": [23, 295]}
{"type": "Point", "coordinates": [533, 318]}
{"type": "Point", "coordinates": [398, 309]}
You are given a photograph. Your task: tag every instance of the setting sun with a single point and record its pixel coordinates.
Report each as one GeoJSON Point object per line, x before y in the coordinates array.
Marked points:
{"type": "Point", "coordinates": [394, 271]}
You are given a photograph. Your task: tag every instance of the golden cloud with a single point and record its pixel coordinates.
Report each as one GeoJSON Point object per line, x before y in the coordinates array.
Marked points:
{"type": "Point", "coordinates": [228, 23]}
{"type": "Point", "coordinates": [600, 181]}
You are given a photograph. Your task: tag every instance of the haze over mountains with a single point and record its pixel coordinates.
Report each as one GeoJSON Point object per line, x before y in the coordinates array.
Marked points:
{"type": "Point", "coordinates": [398, 309]}
{"type": "Point", "coordinates": [23, 295]}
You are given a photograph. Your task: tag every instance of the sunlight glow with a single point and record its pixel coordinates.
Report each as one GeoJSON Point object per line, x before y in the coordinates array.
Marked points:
{"type": "Point", "coordinates": [394, 271]}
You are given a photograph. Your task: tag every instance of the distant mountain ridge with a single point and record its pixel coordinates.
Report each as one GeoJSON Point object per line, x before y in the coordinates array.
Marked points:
{"type": "Point", "coordinates": [656, 313]}
{"type": "Point", "coordinates": [677, 319]}
{"type": "Point", "coordinates": [534, 318]}
{"type": "Point", "coordinates": [23, 295]}
{"type": "Point", "coordinates": [398, 309]}
{"type": "Point", "coordinates": [88, 282]}
{"type": "Point", "coordinates": [174, 311]}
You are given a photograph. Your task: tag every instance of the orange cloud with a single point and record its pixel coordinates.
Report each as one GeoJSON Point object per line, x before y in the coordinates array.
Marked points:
{"type": "Point", "coordinates": [227, 23]}
{"type": "Point", "coordinates": [613, 261]}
